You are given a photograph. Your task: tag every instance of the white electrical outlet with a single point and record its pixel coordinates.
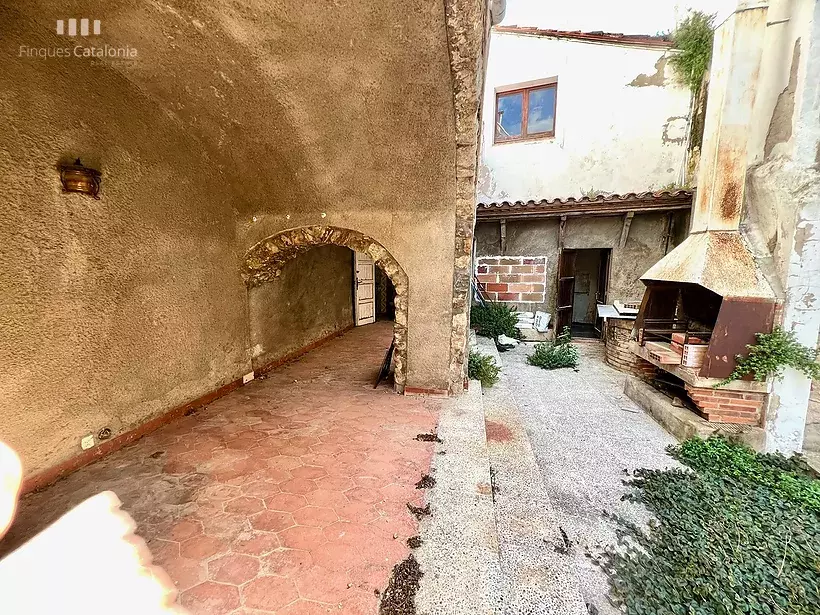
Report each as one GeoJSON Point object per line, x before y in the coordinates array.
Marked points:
{"type": "Point", "coordinates": [247, 378]}
{"type": "Point", "coordinates": [87, 442]}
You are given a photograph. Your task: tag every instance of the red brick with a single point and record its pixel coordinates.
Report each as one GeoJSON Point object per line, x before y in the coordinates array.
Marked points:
{"type": "Point", "coordinates": [540, 268]}
{"type": "Point", "coordinates": [502, 288]}
{"type": "Point", "coordinates": [523, 269]}
{"type": "Point", "coordinates": [531, 277]}
{"type": "Point", "coordinates": [482, 269]}
{"type": "Point", "coordinates": [488, 261]}
{"type": "Point", "coordinates": [533, 297]}
{"type": "Point", "coordinates": [499, 269]}
{"type": "Point", "coordinates": [509, 261]}
{"type": "Point", "coordinates": [508, 297]}
{"type": "Point", "coordinates": [486, 278]}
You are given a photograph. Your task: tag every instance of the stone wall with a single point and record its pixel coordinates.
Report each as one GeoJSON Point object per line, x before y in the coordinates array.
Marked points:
{"type": "Point", "coordinates": [311, 300]}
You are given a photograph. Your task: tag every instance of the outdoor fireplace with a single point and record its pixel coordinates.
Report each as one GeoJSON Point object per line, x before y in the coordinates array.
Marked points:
{"type": "Point", "coordinates": [705, 300]}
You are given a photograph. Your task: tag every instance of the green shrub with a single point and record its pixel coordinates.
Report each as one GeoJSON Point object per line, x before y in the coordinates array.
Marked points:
{"type": "Point", "coordinates": [772, 352]}
{"type": "Point", "coordinates": [740, 534]}
{"type": "Point", "coordinates": [557, 354]}
{"type": "Point", "coordinates": [693, 39]}
{"type": "Point", "coordinates": [482, 367]}
{"type": "Point", "coordinates": [494, 319]}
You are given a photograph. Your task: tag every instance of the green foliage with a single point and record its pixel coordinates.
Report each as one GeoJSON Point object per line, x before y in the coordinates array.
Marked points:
{"type": "Point", "coordinates": [482, 367]}
{"type": "Point", "coordinates": [738, 535]}
{"type": "Point", "coordinates": [557, 354]}
{"type": "Point", "coordinates": [693, 39]}
{"type": "Point", "coordinates": [772, 352]}
{"type": "Point", "coordinates": [494, 319]}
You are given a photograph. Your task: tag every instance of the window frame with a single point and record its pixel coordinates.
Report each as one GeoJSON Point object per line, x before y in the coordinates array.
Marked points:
{"type": "Point", "coordinates": [524, 90]}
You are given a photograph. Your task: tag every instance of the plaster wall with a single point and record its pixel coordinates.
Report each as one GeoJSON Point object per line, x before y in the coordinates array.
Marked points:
{"type": "Point", "coordinates": [114, 310]}
{"type": "Point", "coordinates": [644, 247]}
{"type": "Point", "coordinates": [781, 209]}
{"type": "Point", "coordinates": [621, 120]}
{"type": "Point", "coordinates": [234, 121]}
{"type": "Point", "coordinates": [312, 298]}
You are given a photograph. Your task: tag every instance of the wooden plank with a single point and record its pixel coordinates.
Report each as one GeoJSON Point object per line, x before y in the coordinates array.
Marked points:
{"type": "Point", "coordinates": [557, 210]}
{"type": "Point", "coordinates": [625, 230]}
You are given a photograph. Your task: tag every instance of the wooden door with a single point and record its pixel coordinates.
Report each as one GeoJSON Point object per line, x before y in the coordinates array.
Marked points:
{"type": "Point", "coordinates": [566, 290]}
{"type": "Point", "coordinates": [365, 299]}
{"type": "Point", "coordinates": [603, 277]}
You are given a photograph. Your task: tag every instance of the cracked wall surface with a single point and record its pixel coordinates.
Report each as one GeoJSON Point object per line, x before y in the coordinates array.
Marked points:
{"type": "Point", "coordinates": [235, 121]}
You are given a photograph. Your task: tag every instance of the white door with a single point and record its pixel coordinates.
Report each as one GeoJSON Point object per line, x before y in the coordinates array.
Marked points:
{"type": "Point", "coordinates": [365, 300]}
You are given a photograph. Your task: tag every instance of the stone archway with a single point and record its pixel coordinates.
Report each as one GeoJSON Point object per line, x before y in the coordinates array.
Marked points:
{"type": "Point", "coordinates": [264, 261]}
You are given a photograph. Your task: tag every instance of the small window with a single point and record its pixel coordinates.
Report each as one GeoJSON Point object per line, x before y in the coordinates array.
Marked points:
{"type": "Point", "coordinates": [524, 114]}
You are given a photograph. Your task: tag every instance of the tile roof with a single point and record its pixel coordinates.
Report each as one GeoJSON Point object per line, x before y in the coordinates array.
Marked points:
{"type": "Point", "coordinates": [598, 205]}
{"type": "Point", "coordinates": [613, 38]}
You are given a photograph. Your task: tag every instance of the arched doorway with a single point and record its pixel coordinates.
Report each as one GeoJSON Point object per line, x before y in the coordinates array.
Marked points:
{"type": "Point", "coordinates": [264, 262]}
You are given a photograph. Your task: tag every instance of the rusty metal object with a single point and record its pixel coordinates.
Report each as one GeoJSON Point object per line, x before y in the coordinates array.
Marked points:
{"type": "Point", "coordinates": [716, 260]}
{"type": "Point", "coordinates": [740, 318]}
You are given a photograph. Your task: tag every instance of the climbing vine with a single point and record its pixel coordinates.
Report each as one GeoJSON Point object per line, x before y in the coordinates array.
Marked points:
{"type": "Point", "coordinates": [693, 40]}
{"type": "Point", "coordinates": [737, 534]}
{"type": "Point", "coordinates": [771, 354]}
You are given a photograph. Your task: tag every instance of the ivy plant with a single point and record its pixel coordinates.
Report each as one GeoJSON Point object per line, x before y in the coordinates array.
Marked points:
{"type": "Point", "coordinates": [738, 533]}
{"type": "Point", "coordinates": [771, 354]}
{"type": "Point", "coordinates": [693, 40]}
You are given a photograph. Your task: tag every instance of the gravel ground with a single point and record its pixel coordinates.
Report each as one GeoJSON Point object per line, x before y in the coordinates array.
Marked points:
{"type": "Point", "coordinates": [586, 436]}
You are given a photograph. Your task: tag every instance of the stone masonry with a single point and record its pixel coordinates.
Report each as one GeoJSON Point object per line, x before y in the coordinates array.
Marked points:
{"type": "Point", "coordinates": [513, 279]}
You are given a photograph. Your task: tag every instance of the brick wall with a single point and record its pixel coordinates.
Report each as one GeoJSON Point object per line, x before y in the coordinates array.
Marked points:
{"type": "Point", "coordinates": [617, 336]}
{"type": "Point", "coordinates": [719, 406]}
{"type": "Point", "coordinates": [513, 279]}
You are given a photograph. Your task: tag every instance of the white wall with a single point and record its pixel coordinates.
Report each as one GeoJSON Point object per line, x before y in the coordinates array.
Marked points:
{"type": "Point", "coordinates": [610, 136]}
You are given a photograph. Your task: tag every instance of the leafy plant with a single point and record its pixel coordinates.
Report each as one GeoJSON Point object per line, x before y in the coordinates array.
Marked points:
{"type": "Point", "coordinates": [693, 39]}
{"type": "Point", "coordinates": [773, 352]}
{"type": "Point", "coordinates": [740, 534]}
{"type": "Point", "coordinates": [557, 354]}
{"type": "Point", "coordinates": [482, 367]}
{"type": "Point", "coordinates": [494, 319]}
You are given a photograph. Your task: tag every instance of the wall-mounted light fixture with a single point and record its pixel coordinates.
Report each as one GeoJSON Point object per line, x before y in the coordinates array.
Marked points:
{"type": "Point", "coordinates": [77, 178]}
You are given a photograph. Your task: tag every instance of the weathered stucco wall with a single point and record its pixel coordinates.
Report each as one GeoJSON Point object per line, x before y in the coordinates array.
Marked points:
{"type": "Point", "coordinates": [312, 298]}
{"type": "Point", "coordinates": [620, 120]}
{"type": "Point", "coordinates": [113, 310]}
{"type": "Point", "coordinates": [644, 247]}
{"type": "Point", "coordinates": [232, 122]}
{"type": "Point", "coordinates": [781, 208]}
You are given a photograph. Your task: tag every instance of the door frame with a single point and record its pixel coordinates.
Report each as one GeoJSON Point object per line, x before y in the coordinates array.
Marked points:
{"type": "Point", "coordinates": [364, 291]}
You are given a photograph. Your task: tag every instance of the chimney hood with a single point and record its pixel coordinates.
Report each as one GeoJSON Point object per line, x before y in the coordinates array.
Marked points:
{"type": "Point", "coordinates": [715, 255]}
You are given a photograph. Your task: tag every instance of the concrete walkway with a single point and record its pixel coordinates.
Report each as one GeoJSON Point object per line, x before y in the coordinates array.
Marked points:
{"type": "Point", "coordinates": [587, 437]}
{"type": "Point", "coordinates": [286, 496]}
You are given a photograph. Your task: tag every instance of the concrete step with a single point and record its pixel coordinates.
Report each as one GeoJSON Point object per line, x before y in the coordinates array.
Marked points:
{"type": "Point", "coordinates": [459, 552]}
{"type": "Point", "coordinates": [538, 576]}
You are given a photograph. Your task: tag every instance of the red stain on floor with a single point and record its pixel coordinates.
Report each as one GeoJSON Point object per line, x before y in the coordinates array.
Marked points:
{"type": "Point", "coordinates": [497, 432]}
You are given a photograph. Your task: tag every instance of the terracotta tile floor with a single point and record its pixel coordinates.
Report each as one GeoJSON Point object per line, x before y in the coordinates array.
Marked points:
{"type": "Point", "coordinates": [287, 496]}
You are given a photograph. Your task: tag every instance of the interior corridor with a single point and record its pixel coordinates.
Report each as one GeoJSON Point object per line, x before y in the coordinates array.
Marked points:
{"type": "Point", "coordinates": [288, 495]}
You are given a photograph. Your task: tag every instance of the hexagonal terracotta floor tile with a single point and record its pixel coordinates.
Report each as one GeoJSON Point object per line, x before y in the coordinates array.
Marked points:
{"type": "Point", "coordinates": [308, 472]}
{"type": "Point", "coordinates": [301, 537]}
{"type": "Point", "coordinates": [286, 502]}
{"type": "Point", "coordinates": [287, 562]}
{"type": "Point", "coordinates": [272, 521]}
{"type": "Point", "coordinates": [269, 593]}
{"type": "Point", "coordinates": [308, 607]}
{"type": "Point", "coordinates": [210, 598]}
{"type": "Point", "coordinates": [234, 569]}
{"type": "Point", "coordinates": [244, 505]}
{"type": "Point", "coordinates": [201, 547]}
{"type": "Point", "coordinates": [315, 516]}
{"type": "Point", "coordinates": [323, 585]}
{"type": "Point", "coordinates": [298, 485]}
{"type": "Point", "coordinates": [256, 543]}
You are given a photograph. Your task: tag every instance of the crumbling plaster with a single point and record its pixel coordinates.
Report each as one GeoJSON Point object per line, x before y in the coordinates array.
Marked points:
{"type": "Point", "coordinates": [621, 120]}
{"type": "Point", "coordinates": [781, 215]}
{"type": "Point", "coordinates": [235, 121]}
